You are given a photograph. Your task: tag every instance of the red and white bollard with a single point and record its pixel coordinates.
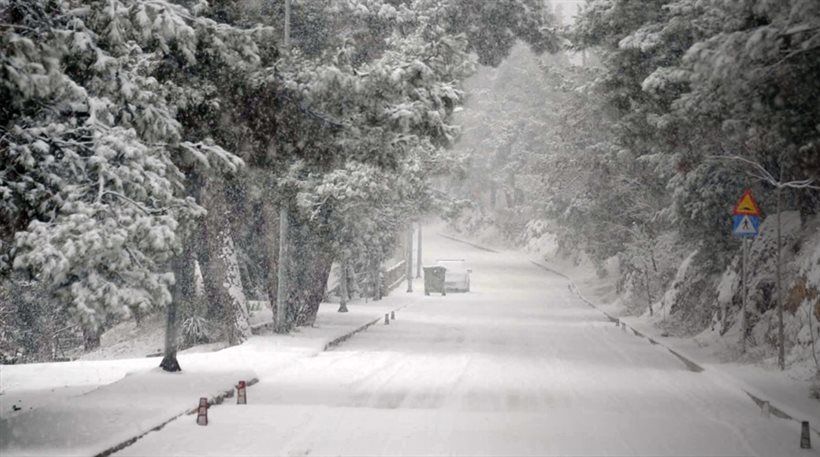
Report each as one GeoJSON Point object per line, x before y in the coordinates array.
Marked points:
{"type": "Point", "coordinates": [241, 397]}
{"type": "Point", "coordinates": [202, 412]}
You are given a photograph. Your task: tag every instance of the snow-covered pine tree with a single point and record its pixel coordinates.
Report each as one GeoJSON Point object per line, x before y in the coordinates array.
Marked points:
{"type": "Point", "coordinates": [82, 169]}
{"type": "Point", "coordinates": [388, 98]}
{"type": "Point", "coordinates": [93, 152]}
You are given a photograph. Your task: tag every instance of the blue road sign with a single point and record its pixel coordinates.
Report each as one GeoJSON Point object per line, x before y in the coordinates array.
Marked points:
{"type": "Point", "coordinates": [745, 225]}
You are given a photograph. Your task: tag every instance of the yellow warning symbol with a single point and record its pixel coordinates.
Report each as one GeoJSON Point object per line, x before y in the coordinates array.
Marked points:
{"type": "Point", "coordinates": [746, 205]}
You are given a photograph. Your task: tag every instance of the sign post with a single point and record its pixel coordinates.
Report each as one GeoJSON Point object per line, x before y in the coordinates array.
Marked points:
{"type": "Point", "coordinates": [746, 225]}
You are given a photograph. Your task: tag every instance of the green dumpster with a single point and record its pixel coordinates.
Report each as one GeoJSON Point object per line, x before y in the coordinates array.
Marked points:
{"type": "Point", "coordinates": [434, 280]}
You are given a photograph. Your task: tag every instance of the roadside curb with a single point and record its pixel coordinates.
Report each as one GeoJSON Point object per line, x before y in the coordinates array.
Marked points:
{"type": "Point", "coordinates": [332, 344]}
{"type": "Point", "coordinates": [215, 400]}
{"type": "Point", "coordinates": [689, 363]}
{"type": "Point", "coordinates": [574, 289]}
{"type": "Point", "coordinates": [777, 411]}
{"type": "Point", "coordinates": [337, 341]}
{"type": "Point", "coordinates": [228, 393]}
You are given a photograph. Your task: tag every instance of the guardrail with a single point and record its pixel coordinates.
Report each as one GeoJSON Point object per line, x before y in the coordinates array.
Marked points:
{"type": "Point", "coordinates": [394, 275]}
{"type": "Point", "coordinates": [391, 278]}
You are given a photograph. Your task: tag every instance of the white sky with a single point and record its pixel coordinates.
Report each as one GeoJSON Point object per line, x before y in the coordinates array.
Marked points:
{"type": "Point", "coordinates": [570, 7]}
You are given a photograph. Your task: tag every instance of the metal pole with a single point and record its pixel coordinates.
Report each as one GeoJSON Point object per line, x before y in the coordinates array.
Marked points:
{"type": "Point", "coordinates": [281, 290]}
{"type": "Point", "coordinates": [280, 320]}
{"type": "Point", "coordinates": [418, 254]}
{"type": "Point", "coordinates": [409, 261]}
{"type": "Point", "coordinates": [287, 24]}
{"type": "Point", "coordinates": [781, 354]}
{"type": "Point", "coordinates": [744, 286]}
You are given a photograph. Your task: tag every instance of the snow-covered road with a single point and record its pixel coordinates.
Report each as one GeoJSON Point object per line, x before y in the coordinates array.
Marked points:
{"type": "Point", "coordinates": [517, 366]}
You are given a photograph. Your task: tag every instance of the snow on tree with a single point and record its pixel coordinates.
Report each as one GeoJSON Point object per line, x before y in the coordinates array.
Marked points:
{"type": "Point", "coordinates": [379, 99]}
{"type": "Point", "coordinates": [625, 167]}
{"type": "Point", "coordinates": [94, 196]}
{"type": "Point", "coordinates": [93, 152]}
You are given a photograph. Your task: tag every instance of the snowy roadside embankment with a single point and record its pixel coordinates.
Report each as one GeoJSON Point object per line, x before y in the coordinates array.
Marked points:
{"type": "Point", "coordinates": [91, 407]}
{"type": "Point", "coordinates": [790, 396]}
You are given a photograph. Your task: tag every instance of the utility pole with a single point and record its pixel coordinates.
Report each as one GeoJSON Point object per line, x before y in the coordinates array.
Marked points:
{"type": "Point", "coordinates": [744, 321]}
{"type": "Point", "coordinates": [280, 315]}
{"type": "Point", "coordinates": [418, 254]}
{"type": "Point", "coordinates": [287, 24]}
{"type": "Point", "coordinates": [744, 282]}
{"type": "Point", "coordinates": [280, 323]}
{"type": "Point", "coordinates": [781, 353]}
{"type": "Point", "coordinates": [409, 256]}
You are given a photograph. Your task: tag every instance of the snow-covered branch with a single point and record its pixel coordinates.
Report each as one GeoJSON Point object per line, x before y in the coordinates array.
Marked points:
{"type": "Point", "coordinates": [760, 173]}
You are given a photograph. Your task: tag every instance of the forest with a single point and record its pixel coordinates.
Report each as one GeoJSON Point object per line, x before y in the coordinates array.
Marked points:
{"type": "Point", "coordinates": [150, 148]}
{"type": "Point", "coordinates": [628, 151]}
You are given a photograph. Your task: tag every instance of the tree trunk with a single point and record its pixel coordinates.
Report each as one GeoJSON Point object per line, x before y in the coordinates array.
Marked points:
{"type": "Point", "coordinates": [236, 308]}
{"type": "Point", "coordinates": [169, 360]}
{"type": "Point", "coordinates": [375, 281]}
{"type": "Point", "coordinates": [312, 285]}
{"type": "Point", "coordinates": [91, 339]}
{"type": "Point", "coordinates": [648, 289]}
{"type": "Point", "coordinates": [270, 238]}
{"type": "Point", "coordinates": [223, 282]}
{"type": "Point", "coordinates": [511, 192]}
{"type": "Point", "coordinates": [183, 268]}
{"type": "Point", "coordinates": [343, 292]}
{"type": "Point", "coordinates": [307, 277]}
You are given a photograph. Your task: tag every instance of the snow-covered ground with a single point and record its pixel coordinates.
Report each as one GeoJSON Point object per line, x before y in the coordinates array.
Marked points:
{"type": "Point", "coordinates": [518, 366]}
{"type": "Point", "coordinates": [86, 407]}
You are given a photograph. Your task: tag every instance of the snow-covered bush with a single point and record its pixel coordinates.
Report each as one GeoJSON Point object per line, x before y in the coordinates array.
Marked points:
{"type": "Point", "coordinates": [538, 238]}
